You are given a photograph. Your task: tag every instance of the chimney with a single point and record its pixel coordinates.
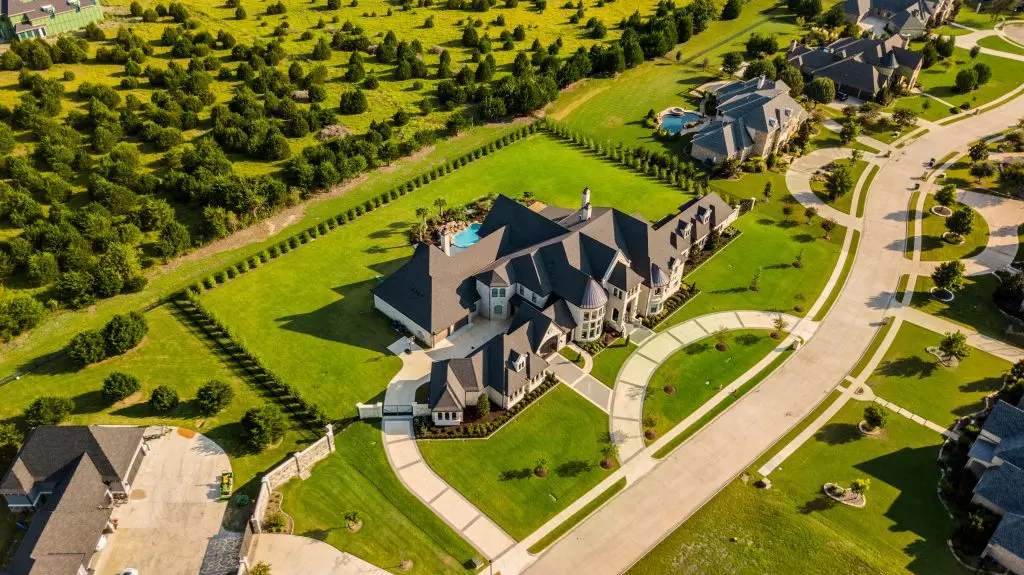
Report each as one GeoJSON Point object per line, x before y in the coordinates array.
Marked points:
{"type": "Point", "coordinates": [760, 82]}
{"type": "Point", "coordinates": [792, 45]}
{"type": "Point", "coordinates": [587, 211]}
{"type": "Point", "coordinates": [446, 243]}
{"type": "Point", "coordinates": [906, 41]}
{"type": "Point", "coordinates": [586, 198]}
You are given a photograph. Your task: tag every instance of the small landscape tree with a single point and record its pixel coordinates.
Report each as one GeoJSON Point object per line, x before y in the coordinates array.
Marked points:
{"type": "Point", "coordinates": [839, 182]}
{"type": "Point", "coordinates": [828, 224]}
{"type": "Point", "coordinates": [779, 323]}
{"type": "Point", "coordinates": [949, 275]}
{"type": "Point", "coordinates": [163, 399]}
{"type": "Point", "coordinates": [766, 193]}
{"type": "Point", "coordinates": [978, 152]}
{"type": "Point", "coordinates": [875, 416]}
{"type": "Point", "coordinates": [88, 347]}
{"type": "Point", "coordinates": [483, 405]}
{"type": "Point", "coordinates": [821, 90]}
{"type": "Point", "coordinates": [962, 221]}
{"type": "Point", "coordinates": [809, 213]}
{"type": "Point", "coordinates": [118, 386]}
{"type": "Point", "coordinates": [731, 62]}
{"type": "Point", "coordinates": [954, 344]}
{"type": "Point", "coordinates": [260, 568]}
{"type": "Point", "coordinates": [947, 195]}
{"type": "Point", "coordinates": [262, 426]}
{"type": "Point", "coordinates": [123, 332]}
{"type": "Point", "coordinates": [48, 410]}
{"type": "Point", "coordinates": [860, 486]}
{"type": "Point", "coordinates": [213, 397]}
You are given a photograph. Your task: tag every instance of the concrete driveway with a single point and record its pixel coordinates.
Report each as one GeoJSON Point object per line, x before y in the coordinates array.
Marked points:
{"type": "Point", "coordinates": [296, 555]}
{"type": "Point", "coordinates": [167, 526]}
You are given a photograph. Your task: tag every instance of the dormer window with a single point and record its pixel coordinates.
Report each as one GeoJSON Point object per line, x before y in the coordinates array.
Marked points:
{"type": "Point", "coordinates": [518, 361]}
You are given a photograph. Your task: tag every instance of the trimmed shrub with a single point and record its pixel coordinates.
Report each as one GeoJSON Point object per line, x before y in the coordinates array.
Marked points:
{"type": "Point", "coordinates": [118, 386]}
{"type": "Point", "coordinates": [164, 399]}
{"type": "Point", "coordinates": [213, 397]}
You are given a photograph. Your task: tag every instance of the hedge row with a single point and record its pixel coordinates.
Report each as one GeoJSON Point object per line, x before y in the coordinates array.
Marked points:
{"type": "Point", "coordinates": [425, 428]}
{"type": "Point", "coordinates": [305, 412]}
{"type": "Point", "coordinates": [334, 222]}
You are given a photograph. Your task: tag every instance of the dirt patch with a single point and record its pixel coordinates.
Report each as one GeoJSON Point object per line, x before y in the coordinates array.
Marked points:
{"type": "Point", "coordinates": [186, 432]}
{"type": "Point", "coordinates": [138, 495]}
{"type": "Point", "coordinates": [561, 114]}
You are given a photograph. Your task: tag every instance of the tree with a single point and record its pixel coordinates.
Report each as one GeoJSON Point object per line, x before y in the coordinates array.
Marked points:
{"type": "Point", "coordinates": [123, 332]}
{"type": "Point", "coordinates": [731, 62]}
{"type": "Point", "coordinates": [875, 417]}
{"type": "Point", "coordinates": [213, 397]}
{"type": "Point", "coordinates": [732, 10]}
{"type": "Point", "coordinates": [163, 399]}
{"type": "Point", "coordinates": [983, 73]}
{"type": "Point", "coordinates": [440, 203]}
{"type": "Point", "coordinates": [949, 275]}
{"type": "Point", "coordinates": [828, 224]}
{"type": "Point", "coordinates": [821, 90]}
{"type": "Point", "coordinates": [483, 405]}
{"type": "Point", "coordinates": [860, 486]}
{"type": "Point", "coordinates": [962, 221]}
{"type": "Point", "coordinates": [904, 117]}
{"type": "Point", "coordinates": [260, 568]}
{"type": "Point", "coordinates": [10, 440]}
{"type": "Point", "coordinates": [88, 347]}
{"type": "Point", "coordinates": [767, 191]}
{"type": "Point", "coordinates": [118, 386]}
{"type": "Point", "coordinates": [353, 102]}
{"type": "Point", "coordinates": [48, 410]}
{"type": "Point", "coordinates": [839, 182]}
{"type": "Point", "coordinates": [42, 269]}
{"type": "Point", "coordinates": [809, 213]}
{"type": "Point", "coordinates": [779, 323]}
{"type": "Point", "coordinates": [966, 80]}
{"type": "Point", "coordinates": [355, 71]}
{"type": "Point", "coordinates": [849, 131]}
{"type": "Point", "coordinates": [262, 426]}
{"type": "Point", "coordinates": [954, 344]}
{"type": "Point", "coordinates": [174, 239]}
{"type": "Point", "coordinates": [978, 152]}
{"type": "Point", "coordinates": [946, 196]}
{"type": "Point", "coordinates": [982, 170]}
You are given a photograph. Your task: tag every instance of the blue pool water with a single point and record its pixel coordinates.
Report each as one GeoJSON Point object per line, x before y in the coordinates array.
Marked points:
{"type": "Point", "coordinates": [467, 237]}
{"type": "Point", "coordinates": [674, 124]}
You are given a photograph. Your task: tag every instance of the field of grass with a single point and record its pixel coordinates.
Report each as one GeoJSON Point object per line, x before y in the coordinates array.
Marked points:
{"type": "Point", "coordinates": [845, 202]}
{"type": "Point", "coordinates": [911, 218]}
{"type": "Point", "coordinates": [396, 525]}
{"type": "Point", "coordinates": [973, 307]}
{"type": "Point", "coordinates": [572, 355]}
{"type": "Point", "coordinates": [769, 244]}
{"type": "Point", "coordinates": [940, 81]}
{"type": "Point", "coordinates": [914, 379]}
{"type": "Point", "coordinates": [496, 474]}
{"type": "Point", "coordinates": [171, 355]}
{"type": "Point", "coordinates": [699, 371]}
{"type": "Point", "coordinates": [315, 302]}
{"type": "Point", "coordinates": [793, 528]}
{"type": "Point", "coordinates": [610, 360]}
{"type": "Point", "coordinates": [969, 16]}
{"type": "Point", "coordinates": [1001, 44]}
{"type": "Point", "coordinates": [959, 174]}
{"type": "Point", "coordinates": [935, 248]}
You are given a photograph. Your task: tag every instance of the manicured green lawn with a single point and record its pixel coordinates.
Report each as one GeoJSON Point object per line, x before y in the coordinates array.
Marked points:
{"type": "Point", "coordinates": [170, 355]}
{"type": "Point", "coordinates": [911, 218]}
{"type": "Point", "coordinates": [770, 243]}
{"type": "Point", "coordinates": [396, 525]}
{"type": "Point", "coordinates": [968, 16]}
{"type": "Point", "coordinates": [1001, 44]}
{"type": "Point", "coordinates": [935, 248]}
{"type": "Point", "coordinates": [940, 81]}
{"type": "Point", "coordinates": [845, 202]}
{"type": "Point", "coordinates": [610, 360]}
{"type": "Point", "coordinates": [580, 515]}
{"type": "Point", "coordinates": [496, 473]}
{"type": "Point", "coordinates": [793, 528]}
{"type": "Point", "coordinates": [959, 174]}
{"type": "Point", "coordinates": [876, 342]}
{"type": "Point", "coordinates": [572, 355]}
{"type": "Point", "coordinates": [699, 371]}
{"type": "Point", "coordinates": [972, 307]}
{"type": "Point", "coordinates": [914, 379]}
{"type": "Point", "coordinates": [315, 301]}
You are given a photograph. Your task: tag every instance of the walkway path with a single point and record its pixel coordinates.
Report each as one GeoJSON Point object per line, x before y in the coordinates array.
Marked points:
{"type": "Point", "coordinates": [296, 555]}
{"type": "Point", "coordinates": [631, 383]}
{"type": "Point", "coordinates": [404, 456]}
{"type": "Point", "coordinates": [580, 380]}
{"type": "Point", "coordinates": [649, 509]}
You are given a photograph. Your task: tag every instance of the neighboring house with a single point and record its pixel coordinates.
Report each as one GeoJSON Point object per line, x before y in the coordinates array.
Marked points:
{"type": "Point", "coordinates": [749, 118]}
{"type": "Point", "coordinates": [860, 67]}
{"type": "Point", "coordinates": [24, 19]}
{"type": "Point", "coordinates": [997, 456]}
{"type": "Point", "coordinates": [910, 18]}
{"type": "Point", "coordinates": [584, 268]}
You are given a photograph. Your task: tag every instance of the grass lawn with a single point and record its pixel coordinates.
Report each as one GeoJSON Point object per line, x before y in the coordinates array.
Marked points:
{"type": "Point", "coordinates": [968, 16]}
{"type": "Point", "coordinates": [699, 371]}
{"type": "Point", "coordinates": [396, 525]}
{"type": "Point", "coordinates": [315, 302]}
{"type": "Point", "coordinates": [572, 355]}
{"type": "Point", "coordinates": [865, 189]}
{"type": "Point", "coordinates": [171, 355]}
{"type": "Point", "coordinates": [769, 244]}
{"type": "Point", "coordinates": [793, 528]}
{"type": "Point", "coordinates": [972, 307]}
{"type": "Point", "coordinates": [940, 81]}
{"type": "Point", "coordinates": [496, 473]}
{"type": "Point", "coordinates": [556, 533]}
{"type": "Point", "coordinates": [914, 379]}
{"type": "Point", "coordinates": [911, 218]}
{"type": "Point", "coordinates": [1001, 44]}
{"type": "Point", "coordinates": [610, 360]}
{"type": "Point", "coordinates": [876, 342]}
{"type": "Point", "coordinates": [959, 174]}
{"type": "Point", "coordinates": [845, 202]}
{"type": "Point", "coordinates": [935, 248]}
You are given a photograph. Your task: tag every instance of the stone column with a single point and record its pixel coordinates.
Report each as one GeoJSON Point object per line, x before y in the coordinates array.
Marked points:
{"type": "Point", "coordinates": [330, 437]}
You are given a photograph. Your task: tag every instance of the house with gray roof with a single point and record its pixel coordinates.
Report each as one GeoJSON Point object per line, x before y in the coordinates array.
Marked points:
{"type": "Point", "coordinates": [997, 458]}
{"type": "Point", "coordinates": [748, 118]}
{"type": "Point", "coordinates": [909, 18]}
{"type": "Point", "coordinates": [25, 19]}
{"type": "Point", "coordinates": [580, 268]}
{"type": "Point", "coordinates": [65, 479]}
{"type": "Point", "coordinates": [860, 67]}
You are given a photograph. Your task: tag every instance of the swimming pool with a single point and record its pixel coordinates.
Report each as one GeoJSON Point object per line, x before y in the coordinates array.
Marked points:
{"type": "Point", "coordinates": [675, 124]}
{"type": "Point", "coordinates": [467, 237]}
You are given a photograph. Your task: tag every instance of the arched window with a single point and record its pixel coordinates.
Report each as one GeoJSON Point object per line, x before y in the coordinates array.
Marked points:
{"type": "Point", "coordinates": [497, 309]}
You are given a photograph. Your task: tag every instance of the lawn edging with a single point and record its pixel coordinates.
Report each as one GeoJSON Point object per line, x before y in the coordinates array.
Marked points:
{"type": "Point", "coordinates": [719, 408]}
{"type": "Point", "coordinates": [844, 274]}
{"type": "Point", "coordinates": [573, 520]}
{"type": "Point", "coordinates": [865, 189]}
{"type": "Point", "coordinates": [876, 342]}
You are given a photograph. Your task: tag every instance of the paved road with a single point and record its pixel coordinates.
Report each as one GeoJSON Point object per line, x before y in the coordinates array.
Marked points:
{"type": "Point", "coordinates": [625, 529]}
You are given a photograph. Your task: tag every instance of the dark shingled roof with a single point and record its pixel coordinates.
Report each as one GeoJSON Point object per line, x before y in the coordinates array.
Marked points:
{"type": "Point", "coordinates": [1005, 422]}
{"type": "Point", "coordinates": [1002, 485]}
{"type": "Point", "coordinates": [855, 62]}
{"type": "Point", "coordinates": [63, 534]}
{"type": "Point", "coordinates": [1010, 534]}
{"type": "Point", "coordinates": [49, 449]}
{"type": "Point", "coordinates": [756, 105]}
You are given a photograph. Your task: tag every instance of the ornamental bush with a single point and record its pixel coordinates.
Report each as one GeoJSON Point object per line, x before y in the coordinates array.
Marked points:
{"type": "Point", "coordinates": [88, 347]}
{"type": "Point", "coordinates": [213, 397]}
{"type": "Point", "coordinates": [124, 332]}
{"type": "Point", "coordinates": [48, 410]}
{"type": "Point", "coordinates": [164, 399]}
{"type": "Point", "coordinates": [262, 426]}
{"type": "Point", "coordinates": [118, 386]}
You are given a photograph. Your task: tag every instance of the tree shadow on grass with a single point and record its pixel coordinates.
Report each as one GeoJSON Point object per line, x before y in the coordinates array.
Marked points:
{"type": "Point", "coordinates": [573, 468]}
{"type": "Point", "coordinates": [318, 534]}
{"type": "Point", "coordinates": [838, 434]}
{"type": "Point", "coordinates": [696, 348]}
{"type": "Point", "coordinates": [804, 238]}
{"type": "Point", "coordinates": [747, 339]}
{"type": "Point", "coordinates": [986, 384]}
{"type": "Point", "coordinates": [735, 290]}
{"type": "Point", "coordinates": [89, 402]}
{"type": "Point", "coordinates": [908, 367]}
{"type": "Point", "coordinates": [516, 474]}
{"type": "Point", "coordinates": [817, 505]}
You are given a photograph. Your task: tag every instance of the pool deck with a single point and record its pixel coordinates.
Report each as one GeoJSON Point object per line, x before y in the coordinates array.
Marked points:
{"type": "Point", "coordinates": [682, 112]}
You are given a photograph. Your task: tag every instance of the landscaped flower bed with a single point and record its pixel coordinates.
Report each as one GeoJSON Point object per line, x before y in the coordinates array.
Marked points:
{"type": "Point", "coordinates": [424, 427]}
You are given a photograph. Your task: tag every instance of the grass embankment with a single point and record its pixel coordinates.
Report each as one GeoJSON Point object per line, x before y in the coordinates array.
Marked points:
{"type": "Point", "coordinates": [562, 428]}
{"type": "Point", "coordinates": [865, 189]}
{"type": "Point", "coordinates": [876, 342]}
{"type": "Point", "coordinates": [911, 218]}
{"type": "Point", "coordinates": [698, 372]}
